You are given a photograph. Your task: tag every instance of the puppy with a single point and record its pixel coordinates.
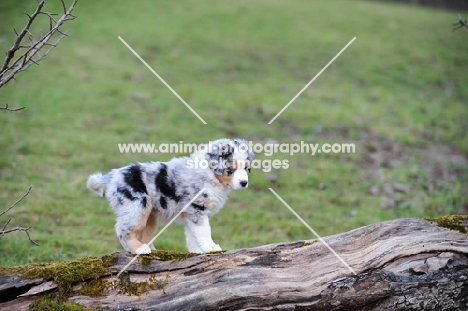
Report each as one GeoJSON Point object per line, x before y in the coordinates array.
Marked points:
{"type": "Point", "coordinates": [145, 194]}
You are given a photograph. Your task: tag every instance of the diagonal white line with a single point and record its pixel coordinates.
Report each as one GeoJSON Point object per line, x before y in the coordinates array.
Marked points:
{"type": "Point", "coordinates": [312, 230]}
{"type": "Point", "coordinates": [162, 230]}
{"type": "Point", "coordinates": [162, 80]}
{"type": "Point", "coordinates": [316, 76]}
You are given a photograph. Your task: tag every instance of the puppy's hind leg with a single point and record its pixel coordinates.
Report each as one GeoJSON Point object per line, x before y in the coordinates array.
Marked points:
{"type": "Point", "coordinates": [130, 230]}
{"type": "Point", "coordinates": [148, 232]}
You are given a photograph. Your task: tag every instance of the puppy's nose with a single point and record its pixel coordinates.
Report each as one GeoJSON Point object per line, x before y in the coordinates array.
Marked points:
{"type": "Point", "coordinates": [244, 183]}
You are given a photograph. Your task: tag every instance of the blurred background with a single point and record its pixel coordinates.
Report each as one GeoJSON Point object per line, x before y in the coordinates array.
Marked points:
{"type": "Point", "coordinates": [399, 92]}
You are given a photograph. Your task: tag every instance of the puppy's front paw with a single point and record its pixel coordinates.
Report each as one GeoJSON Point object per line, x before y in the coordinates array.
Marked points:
{"type": "Point", "coordinates": [144, 249]}
{"type": "Point", "coordinates": [211, 248]}
{"type": "Point", "coordinates": [216, 248]}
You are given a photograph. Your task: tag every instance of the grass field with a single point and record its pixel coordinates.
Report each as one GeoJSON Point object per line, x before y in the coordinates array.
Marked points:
{"type": "Point", "coordinates": [399, 92]}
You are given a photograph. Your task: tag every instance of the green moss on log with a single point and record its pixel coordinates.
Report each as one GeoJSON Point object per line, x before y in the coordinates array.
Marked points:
{"type": "Point", "coordinates": [452, 222]}
{"type": "Point", "coordinates": [307, 243]}
{"type": "Point", "coordinates": [95, 288]}
{"type": "Point", "coordinates": [145, 260]}
{"type": "Point", "coordinates": [50, 303]}
{"type": "Point", "coordinates": [64, 273]}
{"type": "Point", "coordinates": [138, 288]}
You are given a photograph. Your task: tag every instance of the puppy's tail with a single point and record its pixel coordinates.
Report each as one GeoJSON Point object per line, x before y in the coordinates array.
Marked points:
{"type": "Point", "coordinates": [96, 184]}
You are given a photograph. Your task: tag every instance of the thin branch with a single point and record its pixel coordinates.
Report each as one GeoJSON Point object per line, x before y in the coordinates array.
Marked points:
{"type": "Point", "coordinates": [11, 109]}
{"type": "Point", "coordinates": [25, 230]}
{"type": "Point", "coordinates": [15, 47]}
{"type": "Point", "coordinates": [17, 201]}
{"type": "Point", "coordinates": [33, 62]}
{"type": "Point", "coordinates": [64, 6]}
{"type": "Point", "coordinates": [12, 66]}
{"type": "Point", "coordinates": [4, 227]}
{"type": "Point", "coordinates": [461, 23]}
{"type": "Point", "coordinates": [65, 34]}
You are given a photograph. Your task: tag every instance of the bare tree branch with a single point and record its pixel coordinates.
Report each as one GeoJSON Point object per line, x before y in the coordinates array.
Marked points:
{"type": "Point", "coordinates": [4, 226]}
{"type": "Point", "coordinates": [31, 55]}
{"type": "Point", "coordinates": [20, 36]}
{"type": "Point", "coordinates": [11, 109]}
{"type": "Point", "coordinates": [17, 201]}
{"type": "Point", "coordinates": [25, 230]}
{"type": "Point", "coordinates": [461, 23]}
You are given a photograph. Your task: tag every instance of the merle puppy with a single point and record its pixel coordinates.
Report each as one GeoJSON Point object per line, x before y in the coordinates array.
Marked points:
{"type": "Point", "coordinates": [145, 194]}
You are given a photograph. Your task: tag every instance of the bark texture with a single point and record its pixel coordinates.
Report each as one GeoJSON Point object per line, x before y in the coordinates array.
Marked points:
{"type": "Point", "coordinates": [403, 264]}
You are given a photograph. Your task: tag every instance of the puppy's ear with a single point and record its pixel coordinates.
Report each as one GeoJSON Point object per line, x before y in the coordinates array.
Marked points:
{"type": "Point", "coordinates": [244, 146]}
{"type": "Point", "coordinates": [251, 156]}
{"type": "Point", "coordinates": [218, 152]}
{"type": "Point", "coordinates": [238, 141]}
{"type": "Point", "coordinates": [215, 162]}
{"type": "Point", "coordinates": [225, 150]}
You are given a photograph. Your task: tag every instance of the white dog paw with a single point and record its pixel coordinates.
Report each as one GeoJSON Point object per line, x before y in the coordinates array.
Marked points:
{"type": "Point", "coordinates": [144, 249]}
{"type": "Point", "coordinates": [211, 248]}
{"type": "Point", "coordinates": [216, 248]}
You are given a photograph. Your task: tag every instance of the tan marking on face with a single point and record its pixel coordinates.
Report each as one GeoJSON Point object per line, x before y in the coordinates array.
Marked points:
{"type": "Point", "coordinates": [224, 179]}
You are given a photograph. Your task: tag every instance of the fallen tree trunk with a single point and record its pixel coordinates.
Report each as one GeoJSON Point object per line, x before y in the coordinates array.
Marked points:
{"type": "Point", "coordinates": [403, 264]}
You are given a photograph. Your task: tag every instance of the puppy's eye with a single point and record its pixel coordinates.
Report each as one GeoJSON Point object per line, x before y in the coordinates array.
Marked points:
{"type": "Point", "coordinates": [229, 171]}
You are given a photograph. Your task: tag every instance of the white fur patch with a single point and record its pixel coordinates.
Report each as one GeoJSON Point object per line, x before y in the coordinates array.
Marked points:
{"type": "Point", "coordinates": [238, 155]}
{"type": "Point", "coordinates": [95, 184]}
{"type": "Point", "coordinates": [239, 176]}
{"type": "Point", "coordinates": [200, 233]}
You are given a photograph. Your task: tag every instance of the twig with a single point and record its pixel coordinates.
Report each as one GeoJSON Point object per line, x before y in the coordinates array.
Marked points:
{"type": "Point", "coordinates": [461, 23]}
{"type": "Point", "coordinates": [4, 227]}
{"type": "Point", "coordinates": [17, 201]}
{"type": "Point", "coordinates": [25, 230]}
{"type": "Point", "coordinates": [20, 36]}
{"type": "Point", "coordinates": [11, 109]}
{"type": "Point", "coordinates": [12, 66]}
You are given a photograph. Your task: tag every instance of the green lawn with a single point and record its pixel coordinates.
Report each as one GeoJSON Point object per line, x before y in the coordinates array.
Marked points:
{"type": "Point", "coordinates": [399, 92]}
